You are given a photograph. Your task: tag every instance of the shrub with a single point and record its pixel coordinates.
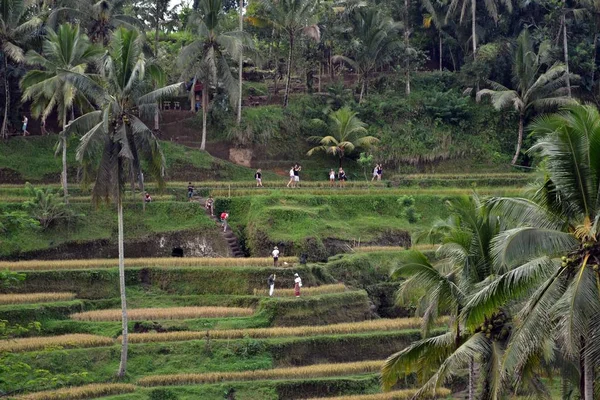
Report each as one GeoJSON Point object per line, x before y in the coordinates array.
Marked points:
{"type": "Point", "coordinates": [313, 248]}
{"type": "Point", "coordinates": [162, 394]}
{"type": "Point", "coordinates": [47, 207]}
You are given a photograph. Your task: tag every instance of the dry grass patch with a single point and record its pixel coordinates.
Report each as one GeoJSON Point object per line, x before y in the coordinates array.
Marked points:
{"type": "Point", "coordinates": [404, 394]}
{"type": "Point", "coordinates": [142, 262]}
{"type": "Point", "coordinates": [375, 249]}
{"type": "Point", "coordinates": [142, 314]}
{"type": "Point", "coordinates": [345, 328]}
{"type": "Point", "coordinates": [81, 392]}
{"type": "Point", "coordinates": [310, 371]}
{"type": "Point", "coordinates": [63, 341]}
{"type": "Point", "coordinates": [306, 291]}
{"type": "Point", "coordinates": [35, 298]}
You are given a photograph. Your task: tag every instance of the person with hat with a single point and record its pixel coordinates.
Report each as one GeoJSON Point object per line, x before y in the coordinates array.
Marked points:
{"type": "Point", "coordinates": [275, 254]}
{"type": "Point", "coordinates": [297, 285]}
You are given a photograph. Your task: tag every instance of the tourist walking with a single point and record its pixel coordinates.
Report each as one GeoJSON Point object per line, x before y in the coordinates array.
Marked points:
{"type": "Point", "coordinates": [297, 285]}
{"type": "Point", "coordinates": [342, 177]}
{"type": "Point", "coordinates": [332, 178]}
{"type": "Point", "coordinates": [25, 121]}
{"type": "Point", "coordinates": [375, 169]}
{"type": "Point", "coordinates": [291, 182]}
{"type": "Point", "coordinates": [258, 177]}
{"type": "Point", "coordinates": [297, 169]}
{"type": "Point", "coordinates": [224, 217]}
{"type": "Point", "coordinates": [271, 282]}
{"type": "Point", "coordinates": [379, 171]}
{"type": "Point", "coordinates": [209, 205]}
{"type": "Point", "coordinates": [275, 254]}
{"type": "Point", "coordinates": [190, 192]}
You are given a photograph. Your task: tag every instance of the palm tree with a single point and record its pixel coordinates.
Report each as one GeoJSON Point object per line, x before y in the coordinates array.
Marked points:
{"type": "Point", "coordinates": [47, 88]}
{"type": "Point", "coordinates": [436, 12]}
{"type": "Point", "coordinates": [116, 132]}
{"type": "Point", "coordinates": [375, 41]}
{"type": "Point", "coordinates": [347, 133]}
{"type": "Point", "coordinates": [492, 10]}
{"type": "Point", "coordinates": [293, 17]}
{"type": "Point", "coordinates": [466, 261]}
{"type": "Point", "coordinates": [534, 88]}
{"type": "Point", "coordinates": [208, 56]}
{"type": "Point", "coordinates": [16, 28]}
{"type": "Point", "coordinates": [552, 257]}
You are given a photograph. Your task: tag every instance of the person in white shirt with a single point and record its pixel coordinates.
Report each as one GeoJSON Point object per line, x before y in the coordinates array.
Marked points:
{"type": "Point", "coordinates": [297, 285]}
{"type": "Point", "coordinates": [271, 282]}
{"type": "Point", "coordinates": [292, 178]}
{"type": "Point", "coordinates": [275, 254]}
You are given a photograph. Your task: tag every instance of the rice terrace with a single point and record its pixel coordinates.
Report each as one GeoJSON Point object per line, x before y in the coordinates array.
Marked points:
{"type": "Point", "coordinates": [299, 200]}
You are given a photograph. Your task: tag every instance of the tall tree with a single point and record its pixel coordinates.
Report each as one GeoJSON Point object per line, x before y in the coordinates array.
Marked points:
{"type": "Point", "coordinates": [537, 85]}
{"type": "Point", "coordinates": [551, 258]}
{"type": "Point", "coordinates": [436, 14]}
{"type": "Point", "coordinates": [16, 29]}
{"type": "Point", "coordinates": [347, 133]}
{"type": "Point", "coordinates": [293, 17]}
{"type": "Point", "coordinates": [375, 41]}
{"type": "Point", "coordinates": [48, 89]}
{"type": "Point", "coordinates": [118, 135]}
{"type": "Point", "coordinates": [240, 67]}
{"type": "Point", "coordinates": [208, 55]}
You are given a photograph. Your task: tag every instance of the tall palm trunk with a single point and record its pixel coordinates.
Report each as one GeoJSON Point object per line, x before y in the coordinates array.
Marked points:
{"type": "Point", "coordinates": [63, 175]}
{"type": "Point", "coordinates": [124, 343]}
{"type": "Point", "coordinates": [4, 133]}
{"type": "Point", "coordinates": [588, 377]}
{"type": "Point", "coordinates": [204, 115]}
{"type": "Point", "coordinates": [156, 28]}
{"type": "Point", "coordinates": [566, 49]}
{"type": "Point", "coordinates": [474, 25]}
{"type": "Point", "coordinates": [519, 138]}
{"type": "Point", "coordinates": [407, 44]}
{"type": "Point", "coordinates": [471, 379]}
{"type": "Point", "coordinates": [440, 52]}
{"type": "Point", "coordinates": [289, 71]}
{"type": "Point", "coordinates": [241, 65]}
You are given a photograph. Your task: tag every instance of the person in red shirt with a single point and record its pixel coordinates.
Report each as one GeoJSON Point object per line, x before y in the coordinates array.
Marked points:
{"type": "Point", "coordinates": [224, 216]}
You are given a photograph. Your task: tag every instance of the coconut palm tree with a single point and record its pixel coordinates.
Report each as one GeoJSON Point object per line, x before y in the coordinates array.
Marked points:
{"type": "Point", "coordinates": [347, 133]}
{"type": "Point", "coordinates": [117, 134]}
{"type": "Point", "coordinates": [535, 86]}
{"type": "Point", "coordinates": [294, 17]}
{"type": "Point", "coordinates": [466, 261]}
{"type": "Point", "coordinates": [375, 40]}
{"type": "Point", "coordinates": [551, 258]}
{"type": "Point", "coordinates": [48, 89]}
{"type": "Point", "coordinates": [16, 29]}
{"type": "Point", "coordinates": [436, 12]}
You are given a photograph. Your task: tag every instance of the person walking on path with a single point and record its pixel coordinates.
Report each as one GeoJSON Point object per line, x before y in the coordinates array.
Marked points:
{"type": "Point", "coordinates": [258, 177]}
{"type": "Point", "coordinates": [291, 182]}
{"type": "Point", "coordinates": [271, 282]}
{"type": "Point", "coordinates": [275, 254]}
{"type": "Point", "coordinates": [25, 121]}
{"type": "Point", "coordinates": [209, 205]}
{"type": "Point", "coordinates": [342, 177]}
{"type": "Point", "coordinates": [297, 169]}
{"type": "Point", "coordinates": [332, 178]}
{"type": "Point", "coordinates": [190, 192]}
{"type": "Point", "coordinates": [379, 171]}
{"type": "Point", "coordinates": [297, 285]}
{"type": "Point", "coordinates": [375, 172]}
{"type": "Point", "coordinates": [224, 217]}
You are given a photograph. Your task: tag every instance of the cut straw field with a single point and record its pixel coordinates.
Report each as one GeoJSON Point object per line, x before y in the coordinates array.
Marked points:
{"type": "Point", "coordinates": [404, 394]}
{"type": "Point", "coordinates": [35, 298]}
{"type": "Point", "coordinates": [81, 392]}
{"type": "Point", "coordinates": [309, 330]}
{"type": "Point", "coordinates": [44, 265]}
{"type": "Point", "coordinates": [311, 371]}
{"type": "Point", "coordinates": [144, 314]}
{"type": "Point", "coordinates": [306, 291]}
{"type": "Point", "coordinates": [377, 249]}
{"type": "Point", "coordinates": [64, 341]}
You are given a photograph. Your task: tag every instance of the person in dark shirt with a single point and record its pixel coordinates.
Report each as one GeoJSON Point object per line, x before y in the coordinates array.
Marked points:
{"type": "Point", "coordinates": [258, 177]}
{"type": "Point", "coordinates": [190, 193]}
{"type": "Point", "coordinates": [342, 177]}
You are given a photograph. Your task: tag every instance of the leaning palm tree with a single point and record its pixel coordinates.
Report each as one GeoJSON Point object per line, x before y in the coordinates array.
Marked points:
{"type": "Point", "coordinates": [208, 55]}
{"type": "Point", "coordinates": [116, 133]}
{"type": "Point", "coordinates": [466, 261]}
{"type": "Point", "coordinates": [534, 88]}
{"type": "Point", "coordinates": [347, 134]}
{"type": "Point", "coordinates": [293, 17]}
{"type": "Point", "coordinates": [375, 41]}
{"type": "Point", "coordinates": [48, 89]}
{"type": "Point", "coordinates": [552, 256]}
{"type": "Point", "coordinates": [16, 29]}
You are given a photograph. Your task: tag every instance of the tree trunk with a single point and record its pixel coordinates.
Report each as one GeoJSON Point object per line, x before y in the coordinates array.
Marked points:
{"type": "Point", "coordinates": [123, 364]}
{"type": "Point", "coordinates": [594, 60]}
{"type": "Point", "coordinates": [363, 89]}
{"type": "Point", "coordinates": [566, 50]}
{"type": "Point", "coordinates": [289, 71]}
{"type": "Point", "coordinates": [473, 26]}
{"type": "Point", "coordinates": [193, 96]}
{"type": "Point", "coordinates": [519, 139]}
{"type": "Point", "coordinates": [241, 65]}
{"type": "Point", "coordinates": [588, 375]}
{"type": "Point", "coordinates": [407, 44]}
{"type": "Point", "coordinates": [63, 175]}
{"type": "Point", "coordinates": [143, 191]}
{"type": "Point", "coordinates": [157, 27]}
{"type": "Point", "coordinates": [440, 40]}
{"type": "Point", "coordinates": [4, 133]}
{"type": "Point", "coordinates": [204, 115]}
{"type": "Point", "coordinates": [471, 379]}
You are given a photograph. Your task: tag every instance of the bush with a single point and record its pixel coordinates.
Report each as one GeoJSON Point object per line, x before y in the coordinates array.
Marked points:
{"type": "Point", "coordinates": [313, 248]}
{"type": "Point", "coordinates": [162, 394]}
{"type": "Point", "coordinates": [47, 207]}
